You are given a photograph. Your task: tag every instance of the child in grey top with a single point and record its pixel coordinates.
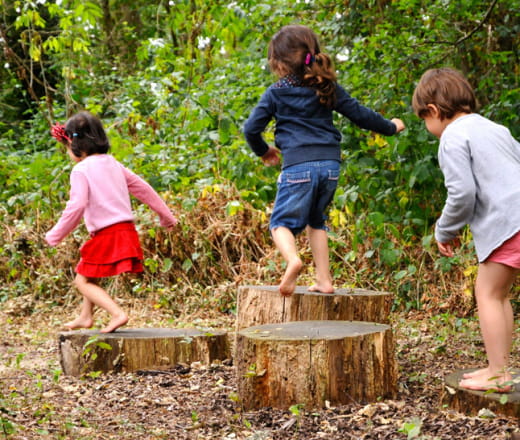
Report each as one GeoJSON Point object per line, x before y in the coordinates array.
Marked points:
{"type": "Point", "coordinates": [480, 161]}
{"type": "Point", "coordinates": [481, 165]}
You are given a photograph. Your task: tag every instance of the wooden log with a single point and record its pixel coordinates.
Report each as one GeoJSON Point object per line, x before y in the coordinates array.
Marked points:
{"type": "Point", "coordinates": [471, 402]}
{"type": "Point", "coordinates": [257, 305]}
{"type": "Point", "coordinates": [128, 350]}
{"type": "Point", "coordinates": [311, 362]}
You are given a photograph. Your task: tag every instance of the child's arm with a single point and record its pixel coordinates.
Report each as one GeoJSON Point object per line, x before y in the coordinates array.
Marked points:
{"type": "Point", "coordinates": [73, 212]}
{"type": "Point", "coordinates": [456, 165]}
{"type": "Point", "coordinates": [365, 117]}
{"type": "Point", "coordinates": [143, 192]}
{"type": "Point", "coordinates": [256, 124]}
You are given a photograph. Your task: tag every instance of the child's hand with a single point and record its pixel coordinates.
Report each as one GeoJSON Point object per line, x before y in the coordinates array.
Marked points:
{"type": "Point", "coordinates": [272, 157]}
{"type": "Point", "coordinates": [446, 249]}
{"type": "Point", "coordinates": [170, 227]}
{"type": "Point", "coordinates": [399, 124]}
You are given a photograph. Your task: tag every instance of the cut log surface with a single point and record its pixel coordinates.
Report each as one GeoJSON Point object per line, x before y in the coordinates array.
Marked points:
{"type": "Point", "coordinates": [471, 402]}
{"type": "Point", "coordinates": [257, 305]}
{"type": "Point", "coordinates": [128, 350]}
{"type": "Point", "coordinates": [311, 362]}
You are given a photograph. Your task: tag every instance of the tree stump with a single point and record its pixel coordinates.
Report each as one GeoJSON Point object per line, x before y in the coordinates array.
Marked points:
{"type": "Point", "coordinates": [128, 350]}
{"type": "Point", "coordinates": [311, 362]}
{"type": "Point", "coordinates": [470, 402]}
{"type": "Point", "coordinates": [257, 305]}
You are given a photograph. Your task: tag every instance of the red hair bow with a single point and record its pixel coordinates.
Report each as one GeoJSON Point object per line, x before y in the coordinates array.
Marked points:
{"type": "Point", "coordinates": [58, 133]}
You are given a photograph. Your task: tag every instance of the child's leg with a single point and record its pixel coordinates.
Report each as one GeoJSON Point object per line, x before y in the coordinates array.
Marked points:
{"type": "Point", "coordinates": [84, 320]}
{"type": "Point", "coordinates": [494, 281]}
{"type": "Point", "coordinates": [286, 243]}
{"type": "Point", "coordinates": [96, 295]}
{"type": "Point", "coordinates": [320, 253]}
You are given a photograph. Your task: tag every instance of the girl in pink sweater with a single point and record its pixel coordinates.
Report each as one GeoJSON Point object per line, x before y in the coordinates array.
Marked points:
{"type": "Point", "coordinates": [100, 189]}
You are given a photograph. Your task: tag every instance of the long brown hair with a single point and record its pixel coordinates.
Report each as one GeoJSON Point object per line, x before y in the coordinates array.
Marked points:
{"type": "Point", "coordinates": [295, 50]}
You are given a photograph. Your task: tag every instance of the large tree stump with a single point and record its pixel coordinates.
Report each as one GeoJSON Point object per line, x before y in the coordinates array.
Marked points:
{"type": "Point", "coordinates": [134, 349]}
{"type": "Point", "coordinates": [311, 362]}
{"type": "Point", "coordinates": [471, 402]}
{"type": "Point", "coordinates": [257, 305]}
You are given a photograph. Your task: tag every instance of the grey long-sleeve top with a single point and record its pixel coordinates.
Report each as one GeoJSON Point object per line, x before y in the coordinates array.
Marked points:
{"type": "Point", "coordinates": [480, 161]}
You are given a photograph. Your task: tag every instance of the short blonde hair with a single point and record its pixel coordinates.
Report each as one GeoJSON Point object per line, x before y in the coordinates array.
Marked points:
{"type": "Point", "coordinates": [445, 88]}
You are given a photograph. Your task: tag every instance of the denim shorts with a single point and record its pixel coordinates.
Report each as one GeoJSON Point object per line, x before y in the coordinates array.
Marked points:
{"type": "Point", "coordinates": [305, 191]}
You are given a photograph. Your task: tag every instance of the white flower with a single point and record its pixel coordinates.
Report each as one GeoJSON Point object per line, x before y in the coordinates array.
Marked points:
{"type": "Point", "coordinates": [343, 55]}
{"type": "Point", "coordinates": [203, 42]}
{"type": "Point", "coordinates": [156, 42]}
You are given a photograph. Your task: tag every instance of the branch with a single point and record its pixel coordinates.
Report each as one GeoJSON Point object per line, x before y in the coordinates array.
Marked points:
{"type": "Point", "coordinates": [466, 36]}
{"type": "Point", "coordinates": [26, 74]}
{"type": "Point", "coordinates": [479, 25]}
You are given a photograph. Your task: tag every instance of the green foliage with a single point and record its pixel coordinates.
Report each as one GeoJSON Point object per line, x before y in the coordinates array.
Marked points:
{"type": "Point", "coordinates": [90, 353]}
{"type": "Point", "coordinates": [412, 429]}
{"type": "Point", "coordinates": [174, 82]}
{"type": "Point", "coordinates": [296, 410]}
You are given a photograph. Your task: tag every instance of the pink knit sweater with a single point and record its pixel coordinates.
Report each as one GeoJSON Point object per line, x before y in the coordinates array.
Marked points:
{"type": "Point", "coordinates": [100, 189]}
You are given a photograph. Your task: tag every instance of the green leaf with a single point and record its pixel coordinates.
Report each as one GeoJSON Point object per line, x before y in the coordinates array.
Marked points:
{"type": "Point", "coordinates": [167, 265]}
{"type": "Point", "coordinates": [187, 264]}
{"type": "Point", "coordinates": [234, 207]}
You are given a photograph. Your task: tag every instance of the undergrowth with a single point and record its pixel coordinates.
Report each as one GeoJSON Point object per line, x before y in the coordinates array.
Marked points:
{"type": "Point", "coordinates": [222, 242]}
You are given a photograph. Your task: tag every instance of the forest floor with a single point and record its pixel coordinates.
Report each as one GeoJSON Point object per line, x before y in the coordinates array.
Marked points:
{"type": "Point", "coordinates": [199, 402]}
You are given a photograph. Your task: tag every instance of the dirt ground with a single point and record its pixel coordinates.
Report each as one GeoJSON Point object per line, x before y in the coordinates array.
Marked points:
{"type": "Point", "coordinates": [196, 402]}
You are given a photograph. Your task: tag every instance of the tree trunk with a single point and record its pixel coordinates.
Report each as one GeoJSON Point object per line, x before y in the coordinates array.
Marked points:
{"type": "Point", "coordinates": [470, 402]}
{"type": "Point", "coordinates": [257, 305]}
{"type": "Point", "coordinates": [87, 351]}
{"type": "Point", "coordinates": [311, 362]}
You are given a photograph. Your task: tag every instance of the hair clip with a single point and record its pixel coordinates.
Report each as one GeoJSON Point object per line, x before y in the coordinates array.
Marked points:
{"type": "Point", "coordinates": [309, 59]}
{"type": "Point", "coordinates": [58, 133]}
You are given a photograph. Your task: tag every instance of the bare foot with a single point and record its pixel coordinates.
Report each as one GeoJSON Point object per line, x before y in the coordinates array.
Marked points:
{"type": "Point", "coordinates": [79, 323]}
{"type": "Point", "coordinates": [288, 283]}
{"type": "Point", "coordinates": [484, 382]}
{"type": "Point", "coordinates": [115, 323]}
{"type": "Point", "coordinates": [476, 373]}
{"type": "Point", "coordinates": [322, 288]}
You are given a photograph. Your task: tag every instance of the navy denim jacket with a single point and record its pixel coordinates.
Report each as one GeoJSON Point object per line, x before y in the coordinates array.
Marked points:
{"type": "Point", "coordinates": [304, 128]}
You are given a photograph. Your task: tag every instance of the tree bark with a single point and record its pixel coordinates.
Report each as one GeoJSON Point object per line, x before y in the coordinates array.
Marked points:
{"type": "Point", "coordinates": [86, 351]}
{"type": "Point", "coordinates": [257, 305]}
{"type": "Point", "coordinates": [311, 362]}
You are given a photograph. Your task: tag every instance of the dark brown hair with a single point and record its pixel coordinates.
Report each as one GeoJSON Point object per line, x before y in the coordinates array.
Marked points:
{"type": "Point", "coordinates": [295, 50]}
{"type": "Point", "coordinates": [445, 88]}
{"type": "Point", "coordinates": [87, 134]}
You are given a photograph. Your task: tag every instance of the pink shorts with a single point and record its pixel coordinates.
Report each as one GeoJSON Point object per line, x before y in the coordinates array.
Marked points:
{"type": "Point", "coordinates": [508, 253]}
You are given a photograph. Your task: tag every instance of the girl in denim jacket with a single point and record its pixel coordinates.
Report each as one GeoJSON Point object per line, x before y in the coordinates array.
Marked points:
{"type": "Point", "coordinates": [302, 102]}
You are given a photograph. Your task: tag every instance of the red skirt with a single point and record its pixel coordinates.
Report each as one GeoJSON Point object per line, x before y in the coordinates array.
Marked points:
{"type": "Point", "coordinates": [111, 251]}
{"type": "Point", "coordinates": [508, 253]}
